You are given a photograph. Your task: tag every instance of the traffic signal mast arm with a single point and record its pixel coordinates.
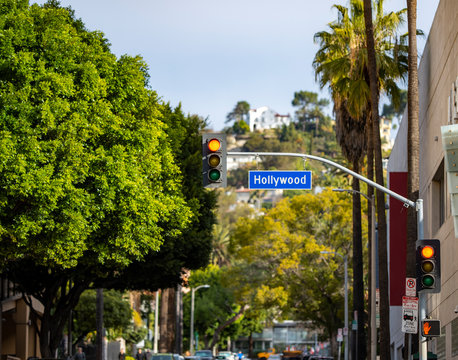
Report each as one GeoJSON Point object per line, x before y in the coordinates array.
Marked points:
{"type": "Point", "coordinates": [401, 198]}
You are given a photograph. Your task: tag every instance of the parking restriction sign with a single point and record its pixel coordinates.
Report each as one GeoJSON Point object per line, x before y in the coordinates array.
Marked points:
{"type": "Point", "coordinates": [409, 314]}
{"type": "Point", "coordinates": [411, 287]}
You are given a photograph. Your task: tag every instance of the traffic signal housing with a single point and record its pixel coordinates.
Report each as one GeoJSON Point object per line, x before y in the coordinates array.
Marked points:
{"type": "Point", "coordinates": [428, 264]}
{"type": "Point", "coordinates": [430, 328]}
{"type": "Point", "coordinates": [214, 160]}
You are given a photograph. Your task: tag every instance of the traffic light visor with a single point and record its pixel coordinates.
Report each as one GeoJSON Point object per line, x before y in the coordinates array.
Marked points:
{"type": "Point", "coordinates": [214, 145]}
{"type": "Point", "coordinates": [427, 252]}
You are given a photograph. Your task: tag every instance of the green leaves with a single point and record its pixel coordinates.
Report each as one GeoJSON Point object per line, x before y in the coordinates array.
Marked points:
{"type": "Point", "coordinates": [86, 165]}
{"type": "Point", "coordinates": [279, 264]}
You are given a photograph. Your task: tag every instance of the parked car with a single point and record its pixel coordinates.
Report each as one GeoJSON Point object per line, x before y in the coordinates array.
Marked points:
{"type": "Point", "coordinates": [166, 356]}
{"type": "Point", "coordinates": [225, 355]}
{"type": "Point", "coordinates": [204, 354]}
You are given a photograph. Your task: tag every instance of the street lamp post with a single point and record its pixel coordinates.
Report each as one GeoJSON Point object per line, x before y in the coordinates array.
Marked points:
{"type": "Point", "coordinates": [346, 300]}
{"type": "Point", "coordinates": [373, 272]}
{"type": "Point", "coordinates": [191, 335]}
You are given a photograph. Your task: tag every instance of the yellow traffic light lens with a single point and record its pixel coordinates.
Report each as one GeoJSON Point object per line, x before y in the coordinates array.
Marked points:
{"type": "Point", "coordinates": [214, 160]}
{"type": "Point", "coordinates": [427, 252]}
{"type": "Point", "coordinates": [427, 266]}
{"type": "Point", "coordinates": [214, 145]}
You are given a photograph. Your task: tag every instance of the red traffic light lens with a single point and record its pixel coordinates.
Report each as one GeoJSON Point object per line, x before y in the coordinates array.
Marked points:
{"type": "Point", "coordinates": [427, 252]}
{"type": "Point", "coordinates": [214, 145]}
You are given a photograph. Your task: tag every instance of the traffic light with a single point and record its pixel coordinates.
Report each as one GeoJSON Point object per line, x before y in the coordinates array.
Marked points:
{"type": "Point", "coordinates": [430, 328]}
{"type": "Point", "coordinates": [214, 153]}
{"type": "Point", "coordinates": [428, 264]}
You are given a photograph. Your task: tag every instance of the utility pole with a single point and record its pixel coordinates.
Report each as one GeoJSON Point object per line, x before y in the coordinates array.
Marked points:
{"type": "Point", "coordinates": [191, 332]}
{"type": "Point", "coordinates": [156, 322]}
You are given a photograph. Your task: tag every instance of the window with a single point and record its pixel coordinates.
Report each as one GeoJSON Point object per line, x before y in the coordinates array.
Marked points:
{"type": "Point", "coordinates": [438, 199]}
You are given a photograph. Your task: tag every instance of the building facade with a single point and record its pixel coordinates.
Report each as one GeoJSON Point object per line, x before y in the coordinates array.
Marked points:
{"type": "Point", "coordinates": [264, 118]}
{"type": "Point", "coordinates": [438, 72]}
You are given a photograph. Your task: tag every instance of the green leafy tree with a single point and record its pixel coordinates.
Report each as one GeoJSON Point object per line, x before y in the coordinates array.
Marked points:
{"type": "Point", "coordinates": [390, 111]}
{"type": "Point", "coordinates": [240, 112]}
{"type": "Point", "coordinates": [309, 111]}
{"type": "Point", "coordinates": [117, 317]}
{"type": "Point", "coordinates": [239, 117]}
{"type": "Point", "coordinates": [280, 265]}
{"type": "Point", "coordinates": [93, 195]}
{"type": "Point", "coordinates": [216, 310]}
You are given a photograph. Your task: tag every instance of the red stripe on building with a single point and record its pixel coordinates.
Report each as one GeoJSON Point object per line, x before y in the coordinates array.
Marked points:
{"type": "Point", "coordinates": [398, 238]}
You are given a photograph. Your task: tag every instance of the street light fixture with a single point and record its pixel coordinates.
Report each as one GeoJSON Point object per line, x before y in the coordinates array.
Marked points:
{"type": "Point", "coordinates": [346, 299]}
{"type": "Point", "coordinates": [373, 271]}
{"type": "Point", "coordinates": [191, 337]}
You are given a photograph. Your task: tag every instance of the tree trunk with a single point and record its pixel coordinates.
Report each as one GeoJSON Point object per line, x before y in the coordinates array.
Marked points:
{"type": "Point", "coordinates": [57, 301]}
{"type": "Point", "coordinates": [358, 274]}
{"type": "Point", "coordinates": [250, 346]}
{"type": "Point", "coordinates": [370, 192]}
{"type": "Point", "coordinates": [381, 216]}
{"type": "Point", "coordinates": [171, 320]}
{"type": "Point", "coordinates": [225, 324]}
{"type": "Point", "coordinates": [163, 320]}
{"type": "Point", "coordinates": [413, 151]}
{"type": "Point", "coordinates": [167, 321]}
{"type": "Point", "coordinates": [99, 324]}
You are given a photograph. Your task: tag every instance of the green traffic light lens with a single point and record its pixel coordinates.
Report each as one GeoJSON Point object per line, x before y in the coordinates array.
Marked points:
{"type": "Point", "coordinates": [427, 280]}
{"type": "Point", "coordinates": [427, 266]}
{"type": "Point", "coordinates": [214, 175]}
{"type": "Point", "coordinates": [214, 160]}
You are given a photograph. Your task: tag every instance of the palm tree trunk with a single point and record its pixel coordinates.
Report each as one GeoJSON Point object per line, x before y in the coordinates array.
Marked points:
{"type": "Point", "coordinates": [383, 255]}
{"type": "Point", "coordinates": [358, 274]}
{"type": "Point", "coordinates": [413, 182]}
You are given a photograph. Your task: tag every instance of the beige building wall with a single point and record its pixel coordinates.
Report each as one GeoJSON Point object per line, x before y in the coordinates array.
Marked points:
{"type": "Point", "coordinates": [438, 71]}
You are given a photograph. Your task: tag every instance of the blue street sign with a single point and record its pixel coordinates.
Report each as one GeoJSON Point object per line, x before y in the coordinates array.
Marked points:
{"type": "Point", "coordinates": [272, 180]}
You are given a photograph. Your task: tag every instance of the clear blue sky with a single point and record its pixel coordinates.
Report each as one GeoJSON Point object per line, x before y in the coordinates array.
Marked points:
{"type": "Point", "coordinates": [209, 54]}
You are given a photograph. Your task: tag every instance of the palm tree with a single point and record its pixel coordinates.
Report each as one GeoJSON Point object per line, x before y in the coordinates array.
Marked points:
{"type": "Point", "coordinates": [375, 124]}
{"type": "Point", "coordinates": [221, 239]}
{"type": "Point", "coordinates": [413, 151]}
{"type": "Point", "coordinates": [342, 63]}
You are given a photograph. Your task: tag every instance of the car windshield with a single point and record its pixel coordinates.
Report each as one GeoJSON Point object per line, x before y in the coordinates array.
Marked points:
{"type": "Point", "coordinates": [203, 353]}
{"type": "Point", "coordinates": [161, 357]}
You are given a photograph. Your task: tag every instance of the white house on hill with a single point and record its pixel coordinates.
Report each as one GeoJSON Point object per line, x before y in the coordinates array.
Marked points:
{"type": "Point", "coordinates": [264, 118]}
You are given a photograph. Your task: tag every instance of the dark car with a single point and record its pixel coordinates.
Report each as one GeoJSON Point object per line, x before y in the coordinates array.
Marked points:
{"type": "Point", "coordinates": [204, 354]}
{"type": "Point", "coordinates": [166, 356]}
{"type": "Point", "coordinates": [224, 355]}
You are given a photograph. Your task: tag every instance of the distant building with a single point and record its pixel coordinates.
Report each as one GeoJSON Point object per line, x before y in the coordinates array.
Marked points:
{"type": "Point", "coordinates": [286, 335]}
{"type": "Point", "coordinates": [264, 118]}
{"type": "Point", "coordinates": [385, 133]}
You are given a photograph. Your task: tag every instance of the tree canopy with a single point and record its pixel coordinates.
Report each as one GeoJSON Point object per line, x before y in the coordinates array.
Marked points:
{"type": "Point", "coordinates": [278, 261]}
{"type": "Point", "coordinates": [95, 192]}
{"type": "Point", "coordinates": [86, 165]}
